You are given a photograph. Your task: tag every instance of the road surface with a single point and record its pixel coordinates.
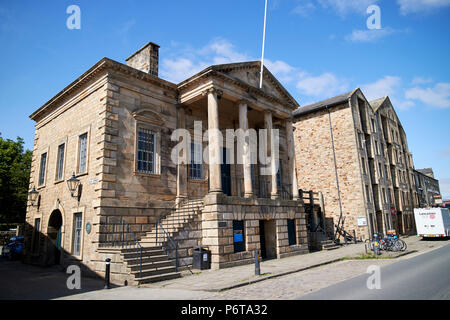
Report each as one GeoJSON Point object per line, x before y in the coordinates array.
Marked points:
{"type": "Point", "coordinates": [426, 276]}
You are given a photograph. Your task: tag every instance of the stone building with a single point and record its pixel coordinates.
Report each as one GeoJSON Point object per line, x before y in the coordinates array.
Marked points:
{"type": "Point", "coordinates": [427, 186]}
{"type": "Point", "coordinates": [111, 133]}
{"type": "Point", "coordinates": [355, 152]}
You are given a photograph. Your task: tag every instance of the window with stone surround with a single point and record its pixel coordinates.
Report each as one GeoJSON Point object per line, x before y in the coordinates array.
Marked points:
{"type": "Point", "coordinates": [82, 153]}
{"type": "Point", "coordinates": [367, 194]}
{"type": "Point", "coordinates": [60, 162]}
{"type": "Point", "coordinates": [42, 169]}
{"type": "Point", "coordinates": [148, 131]}
{"type": "Point", "coordinates": [146, 151]}
{"type": "Point", "coordinates": [77, 232]}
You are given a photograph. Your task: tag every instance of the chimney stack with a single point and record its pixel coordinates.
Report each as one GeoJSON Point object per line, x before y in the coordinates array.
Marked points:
{"type": "Point", "coordinates": [146, 59]}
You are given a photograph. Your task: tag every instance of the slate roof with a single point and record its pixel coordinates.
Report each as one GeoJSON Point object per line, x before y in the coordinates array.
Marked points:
{"type": "Point", "coordinates": [323, 104]}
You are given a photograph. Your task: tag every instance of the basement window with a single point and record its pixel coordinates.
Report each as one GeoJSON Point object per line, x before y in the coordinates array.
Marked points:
{"type": "Point", "coordinates": [238, 236]}
{"type": "Point", "coordinates": [291, 232]}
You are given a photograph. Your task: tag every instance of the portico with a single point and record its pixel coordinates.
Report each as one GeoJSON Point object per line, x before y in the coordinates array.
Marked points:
{"type": "Point", "coordinates": [260, 170]}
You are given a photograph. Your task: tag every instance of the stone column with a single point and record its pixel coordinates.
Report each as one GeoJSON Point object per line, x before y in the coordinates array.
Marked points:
{"type": "Point", "coordinates": [246, 165]}
{"type": "Point", "coordinates": [291, 158]}
{"type": "Point", "coordinates": [270, 148]}
{"type": "Point", "coordinates": [182, 168]}
{"type": "Point", "coordinates": [214, 143]}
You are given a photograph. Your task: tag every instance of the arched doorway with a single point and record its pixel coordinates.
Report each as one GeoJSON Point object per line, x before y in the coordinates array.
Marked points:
{"type": "Point", "coordinates": [54, 237]}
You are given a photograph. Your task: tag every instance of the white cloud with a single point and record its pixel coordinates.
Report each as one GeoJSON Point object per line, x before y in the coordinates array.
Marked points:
{"type": "Point", "coordinates": [304, 9]}
{"type": "Point", "coordinates": [369, 35]}
{"type": "Point", "coordinates": [187, 61]}
{"type": "Point", "coordinates": [280, 69]}
{"type": "Point", "coordinates": [372, 35]}
{"type": "Point", "coordinates": [344, 7]}
{"type": "Point", "coordinates": [223, 51]}
{"type": "Point", "coordinates": [388, 86]}
{"type": "Point", "coordinates": [325, 85]}
{"type": "Point", "coordinates": [438, 96]}
{"type": "Point", "coordinates": [183, 62]}
{"type": "Point", "coordinates": [421, 6]}
{"type": "Point", "coordinates": [380, 88]}
{"type": "Point", "coordinates": [421, 80]}
{"type": "Point", "coordinates": [177, 70]}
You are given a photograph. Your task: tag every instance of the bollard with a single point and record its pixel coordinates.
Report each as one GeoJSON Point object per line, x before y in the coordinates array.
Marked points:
{"type": "Point", "coordinates": [376, 245]}
{"type": "Point", "coordinates": [257, 264]}
{"type": "Point", "coordinates": [108, 264]}
{"type": "Point", "coordinates": [354, 237]}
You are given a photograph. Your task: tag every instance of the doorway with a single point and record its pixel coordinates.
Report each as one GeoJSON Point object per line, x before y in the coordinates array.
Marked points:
{"type": "Point", "coordinates": [379, 216]}
{"type": "Point", "coordinates": [225, 173]}
{"type": "Point", "coordinates": [268, 239]}
{"type": "Point", "coordinates": [54, 238]}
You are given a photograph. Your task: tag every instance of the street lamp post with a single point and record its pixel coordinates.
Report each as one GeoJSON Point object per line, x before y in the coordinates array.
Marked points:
{"type": "Point", "coordinates": [74, 186]}
{"type": "Point", "coordinates": [32, 196]}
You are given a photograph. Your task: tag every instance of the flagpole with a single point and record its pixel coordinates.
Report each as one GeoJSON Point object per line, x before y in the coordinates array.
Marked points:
{"type": "Point", "coordinates": [263, 44]}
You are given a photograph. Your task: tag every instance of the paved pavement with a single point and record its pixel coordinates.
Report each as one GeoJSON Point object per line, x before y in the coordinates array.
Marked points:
{"type": "Point", "coordinates": [425, 276]}
{"type": "Point", "coordinates": [281, 279]}
{"type": "Point", "coordinates": [19, 281]}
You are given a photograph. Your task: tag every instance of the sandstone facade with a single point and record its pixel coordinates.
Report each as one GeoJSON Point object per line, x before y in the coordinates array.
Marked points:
{"type": "Point", "coordinates": [342, 149]}
{"type": "Point", "coordinates": [94, 129]}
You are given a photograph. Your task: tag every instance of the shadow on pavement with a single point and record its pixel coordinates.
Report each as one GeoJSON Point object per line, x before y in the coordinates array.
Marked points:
{"type": "Point", "coordinates": [19, 281]}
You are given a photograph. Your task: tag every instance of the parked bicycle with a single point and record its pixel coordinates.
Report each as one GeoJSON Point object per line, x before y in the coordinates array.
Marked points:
{"type": "Point", "coordinates": [390, 242]}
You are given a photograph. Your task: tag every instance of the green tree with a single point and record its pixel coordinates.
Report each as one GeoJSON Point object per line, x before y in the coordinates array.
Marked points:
{"type": "Point", "coordinates": [15, 165]}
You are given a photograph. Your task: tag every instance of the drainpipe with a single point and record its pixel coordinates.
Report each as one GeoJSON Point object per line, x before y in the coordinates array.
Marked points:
{"type": "Point", "coordinates": [335, 166]}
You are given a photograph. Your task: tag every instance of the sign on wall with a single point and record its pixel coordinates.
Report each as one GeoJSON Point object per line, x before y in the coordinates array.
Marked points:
{"type": "Point", "coordinates": [362, 222]}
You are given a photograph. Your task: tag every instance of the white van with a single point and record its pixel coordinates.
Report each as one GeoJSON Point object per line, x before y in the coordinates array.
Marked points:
{"type": "Point", "coordinates": [432, 222]}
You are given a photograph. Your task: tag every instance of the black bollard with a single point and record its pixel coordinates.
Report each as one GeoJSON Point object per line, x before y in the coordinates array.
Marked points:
{"type": "Point", "coordinates": [108, 264]}
{"type": "Point", "coordinates": [257, 264]}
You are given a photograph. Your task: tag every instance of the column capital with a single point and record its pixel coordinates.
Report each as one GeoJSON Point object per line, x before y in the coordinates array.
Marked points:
{"type": "Point", "coordinates": [268, 112]}
{"type": "Point", "coordinates": [244, 101]}
{"type": "Point", "coordinates": [212, 90]}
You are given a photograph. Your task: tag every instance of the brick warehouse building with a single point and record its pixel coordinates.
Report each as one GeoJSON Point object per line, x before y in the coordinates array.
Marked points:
{"type": "Point", "coordinates": [103, 177]}
{"type": "Point", "coordinates": [356, 153]}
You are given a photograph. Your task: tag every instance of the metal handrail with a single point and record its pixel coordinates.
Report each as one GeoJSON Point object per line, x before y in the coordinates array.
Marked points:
{"type": "Point", "coordinates": [121, 235]}
{"type": "Point", "coordinates": [171, 219]}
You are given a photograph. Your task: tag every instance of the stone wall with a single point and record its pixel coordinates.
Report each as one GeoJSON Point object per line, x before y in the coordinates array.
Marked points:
{"type": "Point", "coordinates": [315, 163]}
{"type": "Point", "coordinates": [217, 227]}
{"type": "Point", "coordinates": [80, 114]}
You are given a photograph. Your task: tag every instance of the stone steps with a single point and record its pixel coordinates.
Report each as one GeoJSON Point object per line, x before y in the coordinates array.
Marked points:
{"type": "Point", "coordinates": [156, 278]}
{"type": "Point", "coordinates": [156, 265]}
{"type": "Point", "coordinates": [329, 245]}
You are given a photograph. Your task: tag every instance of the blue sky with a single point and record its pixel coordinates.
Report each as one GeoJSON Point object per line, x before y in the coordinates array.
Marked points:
{"type": "Point", "coordinates": [316, 48]}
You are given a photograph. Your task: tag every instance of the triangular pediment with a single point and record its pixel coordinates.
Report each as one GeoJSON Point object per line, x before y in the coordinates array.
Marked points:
{"type": "Point", "coordinates": [249, 73]}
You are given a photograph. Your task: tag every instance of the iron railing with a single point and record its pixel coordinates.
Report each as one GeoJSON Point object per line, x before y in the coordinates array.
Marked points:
{"type": "Point", "coordinates": [175, 219]}
{"type": "Point", "coordinates": [120, 235]}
